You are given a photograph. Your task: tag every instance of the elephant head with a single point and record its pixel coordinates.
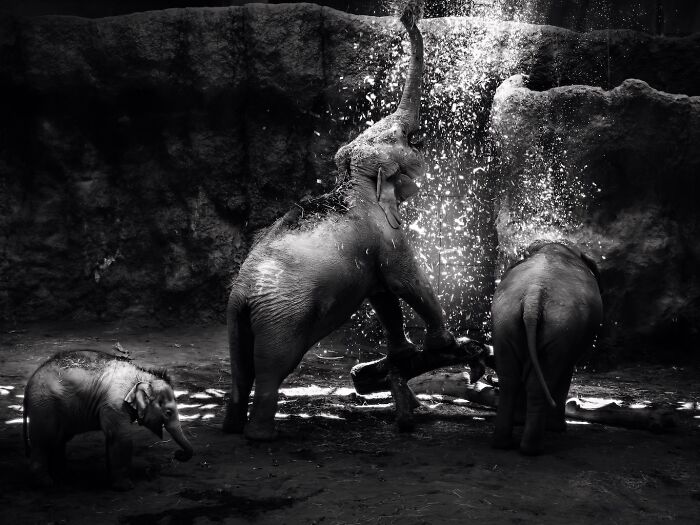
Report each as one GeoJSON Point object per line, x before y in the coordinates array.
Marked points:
{"type": "Point", "coordinates": [156, 408]}
{"type": "Point", "coordinates": [387, 157]}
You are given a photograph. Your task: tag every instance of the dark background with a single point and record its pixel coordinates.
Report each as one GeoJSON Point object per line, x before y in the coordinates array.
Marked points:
{"type": "Point", "coordinates": [140, 154]}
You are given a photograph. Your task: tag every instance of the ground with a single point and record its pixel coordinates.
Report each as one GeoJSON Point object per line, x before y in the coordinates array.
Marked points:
{"type": "Point", "coordinates": [339, 458]}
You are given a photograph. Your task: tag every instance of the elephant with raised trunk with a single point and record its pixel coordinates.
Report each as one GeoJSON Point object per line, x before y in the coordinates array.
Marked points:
{"type": "Point", "coordinates": [546, 312]}
{"type": "Point", "coordinates": [315, 266]}
{"type": "Point", "coordinates": [82, 390]}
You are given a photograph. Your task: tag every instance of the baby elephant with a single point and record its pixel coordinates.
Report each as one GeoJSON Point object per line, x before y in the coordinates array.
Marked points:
{"type": "Point", "coordinates": [546, 312]}
{"type": "Point", "coordinates": [81, 390]}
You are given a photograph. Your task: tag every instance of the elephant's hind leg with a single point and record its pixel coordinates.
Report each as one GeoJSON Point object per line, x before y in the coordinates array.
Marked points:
{"type": "Point", "coordinates": [532, 442]}
{"type": "Point", "coordinates": [275, 358]}
{"type": "Point", "coordinates": [242, 371]}
{"type": "Point", "coordinates": [556, 417]}
{"type": "Point", "coordinates": [509, 386]}
{"type": "Point", "coordinates": [43, 438]}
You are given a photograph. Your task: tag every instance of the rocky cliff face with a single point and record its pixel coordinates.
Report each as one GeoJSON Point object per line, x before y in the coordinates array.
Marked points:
{"type": "Point", "coordinates": [616, 172]}
{"type": "Point", "coordinates": [139, 154]}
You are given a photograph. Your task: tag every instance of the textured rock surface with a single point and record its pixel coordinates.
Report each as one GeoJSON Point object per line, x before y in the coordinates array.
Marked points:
{"type": "Point", "coordinates": [631, 156]}
{"type": "Point", "coordinates": [139, 154]}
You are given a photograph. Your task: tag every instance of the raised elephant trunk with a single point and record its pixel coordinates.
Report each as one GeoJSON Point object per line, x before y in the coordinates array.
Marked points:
{"type": "Point", "coordinates": [409, 106]}
{"type": "Point", "coordinates": [175, 430]}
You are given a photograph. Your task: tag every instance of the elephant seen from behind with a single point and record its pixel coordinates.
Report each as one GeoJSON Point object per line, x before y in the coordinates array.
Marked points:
{"type": "Point", "coordinates": [546, 312]}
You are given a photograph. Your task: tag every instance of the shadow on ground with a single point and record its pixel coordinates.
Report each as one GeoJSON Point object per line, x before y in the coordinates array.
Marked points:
{"type": "Point", "coordinates": [339, 458]}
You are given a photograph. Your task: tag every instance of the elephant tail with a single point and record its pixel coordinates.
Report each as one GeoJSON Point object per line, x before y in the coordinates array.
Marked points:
{"type": "Point", "coordinates": [532, 312]}
{"type": "Point", "coordinates": [239, 324]}
{"type": "Point", "coordinates": [240, 338]}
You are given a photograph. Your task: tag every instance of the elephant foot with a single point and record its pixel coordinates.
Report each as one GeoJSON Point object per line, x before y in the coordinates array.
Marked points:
{"type": "Point", "coordinates": [260, 432]}
{"type": "Point", "coordinates": [236, 418]}
{"type": "Point", "coordinates": [404, 399]}
{"type": "Point", "coordinates": [233, 425]}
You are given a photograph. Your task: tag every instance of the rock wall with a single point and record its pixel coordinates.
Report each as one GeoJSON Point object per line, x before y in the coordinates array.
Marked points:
{"type": "Point", "coordinates": [668, 17]}
{"type": "Point", "coordinates": [629, 160]}
{"type": "Point", "coordinates": [139, 154]}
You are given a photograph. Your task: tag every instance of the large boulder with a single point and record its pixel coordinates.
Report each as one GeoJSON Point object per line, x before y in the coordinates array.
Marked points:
{"type": "Point", "coordinates": [616, 172]}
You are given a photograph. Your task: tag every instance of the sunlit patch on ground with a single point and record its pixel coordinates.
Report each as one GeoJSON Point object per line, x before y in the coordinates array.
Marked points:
{"type": "Point", "coordinates": [594, 402]}
{"type": "Point", "coordinates": [342, 440]}
{"type": "Point", "coordinates": [215, 392]}
{"type": "Point", "coordinates": [201, 395]}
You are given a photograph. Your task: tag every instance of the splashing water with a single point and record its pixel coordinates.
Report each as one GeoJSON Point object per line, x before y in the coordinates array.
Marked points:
{"type": "Point", "coordinates": [550, 201]}
{"type": "Point", "coordinates": [451, 221]}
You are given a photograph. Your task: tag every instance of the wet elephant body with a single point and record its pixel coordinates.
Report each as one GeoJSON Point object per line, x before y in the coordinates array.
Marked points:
{"type": "Point", "coordinates": [83, 390]}
{"type": "Point", "coordinates": [546, 312]}
{"type": "Point", "coordinates": [315, 266]}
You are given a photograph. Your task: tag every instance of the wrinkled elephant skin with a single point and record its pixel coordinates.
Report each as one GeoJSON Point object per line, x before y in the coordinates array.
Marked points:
{"type": "Point", "coordinates": [546, 311]}
{"type": "Point", "coordinates": [83, 390]}
{"type": "Point", "coordinates": [316, 265]}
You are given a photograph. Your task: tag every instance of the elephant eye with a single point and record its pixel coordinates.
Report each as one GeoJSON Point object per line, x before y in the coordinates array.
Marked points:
{"type": "Point", "coordinates": [168, 413]}
{"type": "Point", "coordinates": [416, 139]}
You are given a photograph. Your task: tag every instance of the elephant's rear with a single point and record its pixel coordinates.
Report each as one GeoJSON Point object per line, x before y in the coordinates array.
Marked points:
{"type": "Point", "coordinates": [545, 306]}
{"type": "Point", "coordinates": [555, 283]}
{"type": "Point", "coordinates": [40, 408]}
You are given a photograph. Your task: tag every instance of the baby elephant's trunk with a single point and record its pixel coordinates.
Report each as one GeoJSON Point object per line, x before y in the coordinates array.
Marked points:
{"type": "Point", "coordinates": [175, 430]}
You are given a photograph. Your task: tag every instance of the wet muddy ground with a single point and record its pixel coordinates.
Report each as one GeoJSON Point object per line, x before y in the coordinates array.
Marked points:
{"type": "Point", "coordinates": [339, 458]}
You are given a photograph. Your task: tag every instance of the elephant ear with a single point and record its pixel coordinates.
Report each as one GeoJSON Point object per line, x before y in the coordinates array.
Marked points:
{"type": "Point", "coordinates": [138, 398]}
{"type": "Point", "coordinates": [386, 196]}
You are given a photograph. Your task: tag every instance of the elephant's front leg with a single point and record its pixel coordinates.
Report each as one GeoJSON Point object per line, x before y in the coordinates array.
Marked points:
{"type": "Point", "coordinates": [406, 280]}
{"type": "Point", "coordinates": [277, 353]}
{"type": "Point", "coordinates": [388, 309]}
{"type": "Point", "coordinates": [115, 426]}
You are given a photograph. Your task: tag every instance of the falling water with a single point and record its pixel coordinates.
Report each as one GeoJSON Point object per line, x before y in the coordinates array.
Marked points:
{"type": "Point", "coordinates": [451, 222]}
